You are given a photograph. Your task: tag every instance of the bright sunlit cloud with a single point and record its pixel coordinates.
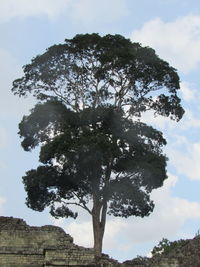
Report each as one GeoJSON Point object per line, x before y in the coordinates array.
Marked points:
{"type": "Point", "coordinates": [2, 203]}
{"type": "Point", "coordinates": [187, 162]}
{"type": "Point", "coordinates": [169, 215]}
{"type": "Point", "coordinates": [177, 42]}
{"type": "Point", "coordinates": [85, 11]}
{"type": "Point", "coordinates": [187, 92]}
{"type": "Point", "coordinates": [23, 8]}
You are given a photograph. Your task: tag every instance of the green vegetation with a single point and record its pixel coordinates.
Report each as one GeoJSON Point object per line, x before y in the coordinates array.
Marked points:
{"type": "Point", "coordinates": [165, 246]}
{"type": "Point", "coordinates": [90, 89]}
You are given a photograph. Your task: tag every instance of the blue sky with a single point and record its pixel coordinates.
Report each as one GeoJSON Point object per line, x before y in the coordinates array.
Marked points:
{"type": "Point", "coordinates": [172, 28]}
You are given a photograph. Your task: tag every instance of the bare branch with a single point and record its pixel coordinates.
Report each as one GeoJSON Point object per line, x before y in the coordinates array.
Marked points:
{"type": "Point", "coordinates": [83, 205]}
{"type": "Point", "coordinates": [77, 204]}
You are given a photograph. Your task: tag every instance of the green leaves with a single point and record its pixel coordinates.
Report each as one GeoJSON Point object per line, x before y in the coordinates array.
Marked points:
{"type": "Point", "coordinates": [44, 122]}
{"type": "Point", "coordinates": [128, 199]}
{"type": "Point", "coordinates": [37, 185]}
{"type": "Point", "coordinates": [90, 149]}
{"type": "Point", "coordinates": [62, 212]}
{"type": "Point", "coordinates": [90, 71]}
{"type": "Point", "coordinates": [165, 246]}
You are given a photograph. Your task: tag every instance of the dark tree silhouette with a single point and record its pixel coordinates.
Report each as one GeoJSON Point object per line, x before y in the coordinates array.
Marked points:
{"type": "Point", "coordinates": [89, 90]}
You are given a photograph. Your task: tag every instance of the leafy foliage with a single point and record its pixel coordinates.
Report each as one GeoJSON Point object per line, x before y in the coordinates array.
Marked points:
{"type": "Point", "coordinates": [89, 71]}
{"type": "Point", "coordinates": [165, 246]}
{"type": "Point", "coordinates": [91, 152]}
{"type": "Point", "coordinates": [139, 260]}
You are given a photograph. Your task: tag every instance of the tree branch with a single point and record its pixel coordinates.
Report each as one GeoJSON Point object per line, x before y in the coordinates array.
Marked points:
{"type": "Point", "coordinates": [77, 204]}
{"type": "Point", "coordinates": [83, 203]}
{"type": "Point", "coordinates": [103, 214]}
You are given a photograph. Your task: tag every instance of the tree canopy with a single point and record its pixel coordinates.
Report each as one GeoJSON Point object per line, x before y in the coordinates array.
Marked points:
{"type": "Point", "coordinates": [88, 150]}
{"type": "Point", "coordinates": [92, 71]}
{"type": "Point", "coordinates": [89, 90]}
{"type": "Point", "coordinates": [92, 155]}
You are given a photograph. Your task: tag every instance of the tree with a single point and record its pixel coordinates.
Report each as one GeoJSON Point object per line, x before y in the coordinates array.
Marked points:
{"type": "Point", "coordinates": [89, 90]}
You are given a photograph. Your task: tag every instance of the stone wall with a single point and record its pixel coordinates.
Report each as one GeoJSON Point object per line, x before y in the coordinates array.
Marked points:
{"type": "Point", "coordinates": [187, 255]}
{"type": "Point", "coordinates": [23, 245]}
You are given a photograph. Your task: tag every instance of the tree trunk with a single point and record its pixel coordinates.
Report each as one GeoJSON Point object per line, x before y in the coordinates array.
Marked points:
{"type": "Point", "coordinates": [99, 213]}
{"type": "Point", "coordinates": [98, 236]}
{"type": "Point", "coordinates": [98, 220]}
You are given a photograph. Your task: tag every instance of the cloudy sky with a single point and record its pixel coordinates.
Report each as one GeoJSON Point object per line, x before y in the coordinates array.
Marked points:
{"type": "Point", "coordinates": [172, 28]}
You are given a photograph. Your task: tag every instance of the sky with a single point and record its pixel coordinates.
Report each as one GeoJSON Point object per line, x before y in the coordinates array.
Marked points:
{"type": "Point", "coordinates": [172, 28]}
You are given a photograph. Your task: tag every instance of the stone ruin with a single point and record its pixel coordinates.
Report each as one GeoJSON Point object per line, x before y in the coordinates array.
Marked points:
{"type": "Point", "coordinates": [23, 245]}
{"type": "Point", "coordinates": [185, 255]}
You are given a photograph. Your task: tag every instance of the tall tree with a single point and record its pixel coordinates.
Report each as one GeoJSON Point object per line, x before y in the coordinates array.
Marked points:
{"type": "Point", "coordinates": [89, 89]}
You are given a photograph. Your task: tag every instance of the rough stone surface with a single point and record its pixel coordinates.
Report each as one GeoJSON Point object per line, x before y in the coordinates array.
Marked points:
{"type": "Point", "coordinates": [187, 255]}
{"type": "Point", "coordinates": [23, 245]}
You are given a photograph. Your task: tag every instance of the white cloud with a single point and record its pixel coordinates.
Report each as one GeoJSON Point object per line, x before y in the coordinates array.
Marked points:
{"type": "Point", "coordinates": [169, 215]}
{"type": "Point", "coordinates": [159, 122]}
{"type": "Point", "coordinates": [177, 42]}
{"type": "Point", "coordinates": [85, 11]}
{"type": "Point", "coordinates": [187, 92]}
{"type": "Point", "coordinates": [170, 128]}
{"type": "Point", "coordinates": [189, 120]}
{"type": "Point", "coordinates": [2, 202]}
{"type": "Point", "coordinates": [187, 162]}
{"type": "Point", "coordinates": [190, 95]}
{"type": "Point", "coordinates": [183, 153]}
{"type": "Point", "coordinates": [80, 231]}
{"type": "Point", "coordinates": [22, 8]}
